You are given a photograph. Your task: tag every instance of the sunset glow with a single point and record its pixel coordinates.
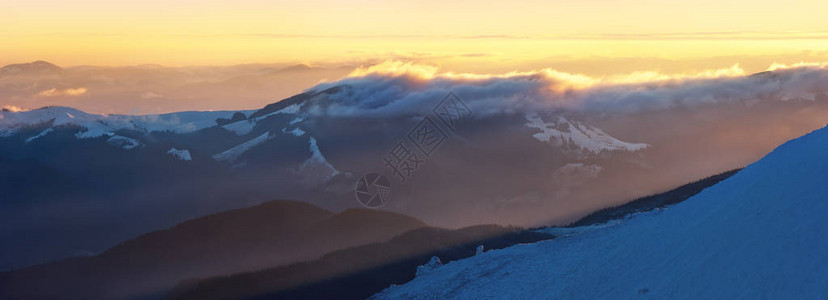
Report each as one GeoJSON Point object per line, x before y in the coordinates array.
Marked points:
{"type": "Point", "coordinates": [413, 149]}
{"type": "Point", "coordinates": [460, 36]}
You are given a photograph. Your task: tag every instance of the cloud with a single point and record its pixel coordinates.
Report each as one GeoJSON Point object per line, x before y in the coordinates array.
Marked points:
{"type": "Point", "coordinates": [395, 88]}
{"type": "Point", "coordinates": [151, 95]}
{"type": "Point", "coordinates": [723, 35]}
{"type": "Point", "coordinates": [147, 89]}
{"type": "Point", "coordinates": [476, 54]}
{"type": "Point", "coordinates": [64, 92]}
{"type": "Point", "coordinates": [11, 108]}
{"type": "Point", "coordinates": [396, 68]}
{"type": "Point", "coordinates": [778, 66]}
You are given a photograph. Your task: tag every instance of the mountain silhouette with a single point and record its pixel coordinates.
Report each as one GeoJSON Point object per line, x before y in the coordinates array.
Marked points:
{"type": "Point", "coordinates": [33, 68]}
{"type": "Point", "coordinates": [267, 235]}
{"type": "Point", "coordinates": [358, 272]}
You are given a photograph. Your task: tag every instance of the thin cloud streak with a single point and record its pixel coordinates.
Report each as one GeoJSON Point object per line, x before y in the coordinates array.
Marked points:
{"type": "Point", "coordinates": [725, 35]}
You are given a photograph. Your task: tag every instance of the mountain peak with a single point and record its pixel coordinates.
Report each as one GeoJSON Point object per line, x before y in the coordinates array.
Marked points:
{"type": "Point", "coordinates": [39, 67]}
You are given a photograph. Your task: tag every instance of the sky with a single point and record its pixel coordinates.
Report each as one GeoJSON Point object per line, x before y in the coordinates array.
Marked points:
{"type": "Point", "coordinates": [456, 34]}
{"type": "Point", "coordinates": [596, 38]}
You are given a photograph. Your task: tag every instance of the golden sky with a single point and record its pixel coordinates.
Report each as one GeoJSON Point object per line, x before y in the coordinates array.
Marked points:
{"type": "Point", "coordinates": [463, 36]}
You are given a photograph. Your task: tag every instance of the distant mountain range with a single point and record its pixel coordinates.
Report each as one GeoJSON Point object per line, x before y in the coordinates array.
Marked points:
{"type": "Point", "coordinates": [358, 272]}
{"type": "Point", "coordinates": [76, 183]}
{"type": "Point", "coordinates": [29, 69]}
{"type": "Point", "coordinates": [362, 271]}
{"type": "Point", "coordinates": [287, 250]}
{"type": "Point", "coordinates": [271, 234]}
{"type": "Point", "coordinates": [145, 89]}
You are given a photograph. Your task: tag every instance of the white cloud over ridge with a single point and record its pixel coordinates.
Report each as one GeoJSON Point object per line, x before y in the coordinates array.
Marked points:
{"type": "Point", "coordinates": [63, 92]}
{"type": "Point", "coordinates": [397, 88]}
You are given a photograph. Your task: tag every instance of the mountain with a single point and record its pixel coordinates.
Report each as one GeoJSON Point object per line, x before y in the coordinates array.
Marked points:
{"type": "Point", "coordinates": [359, 272]}
{"type": "Point", "coordinates": [96, 125]}
{"type": "Point", "coordinates": [271, 234]}
{"type": "Point", "coordinates": [757, 234]}
{"type": "Point", "coordinates": [356, 273]}
{"type": "Point", "coordinates": [153, 89]}
{"type": "Point", "coordinates": [33, 68]}
{"type": "Point", "coordinates": [77, 183]}
{"type": "Point", "coordinates": [61, 170]}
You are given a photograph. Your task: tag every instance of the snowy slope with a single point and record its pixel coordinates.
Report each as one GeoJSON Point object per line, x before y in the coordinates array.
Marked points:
{"type": "Point", "coordinates": [39, 135]}
{"type": "Point", "coordinates": [181, 154]}
{"type": "Point", "coordinates": [230, 155]}
{"type": "Point", "coordinates": [121, 141]}
{"type": "Point", "coordinates": [245, 126]}
{"type": "Point", "coordinates": [577, 137]}
{"type": "Point", "coordinates": [759, 234]}
{"type": "Point", "coordinates": [241, 127]}
{"type": "Point", "coordinates": [317, 164]}
{"type": "Point", "coordinates": [98, 125]}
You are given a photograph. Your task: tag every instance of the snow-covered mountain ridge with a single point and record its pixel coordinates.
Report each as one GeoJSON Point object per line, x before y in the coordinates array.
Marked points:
{"type": "Point", "coordinates": [97, 125]}
{"type": "Point", "coordinates": [758, 234]}
{"type": "Point", "coordinates": [236, 122]}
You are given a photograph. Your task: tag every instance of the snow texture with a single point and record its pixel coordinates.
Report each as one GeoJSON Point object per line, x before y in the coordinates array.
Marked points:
{"type": "Point", "coordinates": [296, 131]}
{"type": "Point", "coordinates": [430, 266]}
{"type": "Point", "coordinates": [478, 250]}
{"type": "Point", "coordinates": [39, 135]}
{"type": "Point", "coordinates": [760, 234]}
{"type": "Point", "coordinates": [180, 154]}
{"type": "Point", "coordinates": [291, 109]}
{"type": "Point", "coordinates": [123, 142]}
{"type": "Point", "coordinates": [95, 125]}
{"type": "Point", "coordinates": [241, 127]}
{"type": "Point", "coordinates": [246, 126]}
{"type": "Point", "coordinates": [317, 164]}
{"type": "Point", "coordinates": [233, 153]}
{"type": "Point", "coordinates": [575, 136]}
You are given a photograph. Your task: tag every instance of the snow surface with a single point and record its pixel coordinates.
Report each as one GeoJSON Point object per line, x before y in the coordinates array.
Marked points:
{"type": "Point", "coordinates": [479, 250]}
{"type": "Point", "coordinates": [96, 125]}
{"type": "Point", "coordinates": [570, 231]}
{"type": "Point", "coordinates": [180, 154]}
{"type": "Point", "coordinates": [297, 120]}
{"type": "Point", "coordinates": [123, 142]}
{"type": "Point", "coordinates": [759, 234]}
{"type": "Point", "coordinates": [296, 131]}
{"type": "Point", "coordinates": [246, 126]}
{"type": "Point", "coordinates": [241, 127]}
{"type": "Point", "coordinates": [39, 135]}
{"type": "Point", "coordinates": [430, 266]}
{"type": "Point", "coordinates": [290, 109]}
{"type": "Point", "coordinates": [574, 135]}
{"type": "Point", "coordinates": [317, 164]}
{"type": "Point", "coordinates": [233, 153]}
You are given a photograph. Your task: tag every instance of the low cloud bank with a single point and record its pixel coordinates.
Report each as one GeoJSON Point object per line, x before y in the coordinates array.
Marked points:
{"type": "Point", "coordinates": [396, 88]}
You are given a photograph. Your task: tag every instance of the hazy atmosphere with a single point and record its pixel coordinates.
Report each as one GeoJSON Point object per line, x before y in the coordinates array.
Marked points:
{"type": "Point", "coordinates": [157, 57]}
{"type": "Point", "coordinates": [413, 149]}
